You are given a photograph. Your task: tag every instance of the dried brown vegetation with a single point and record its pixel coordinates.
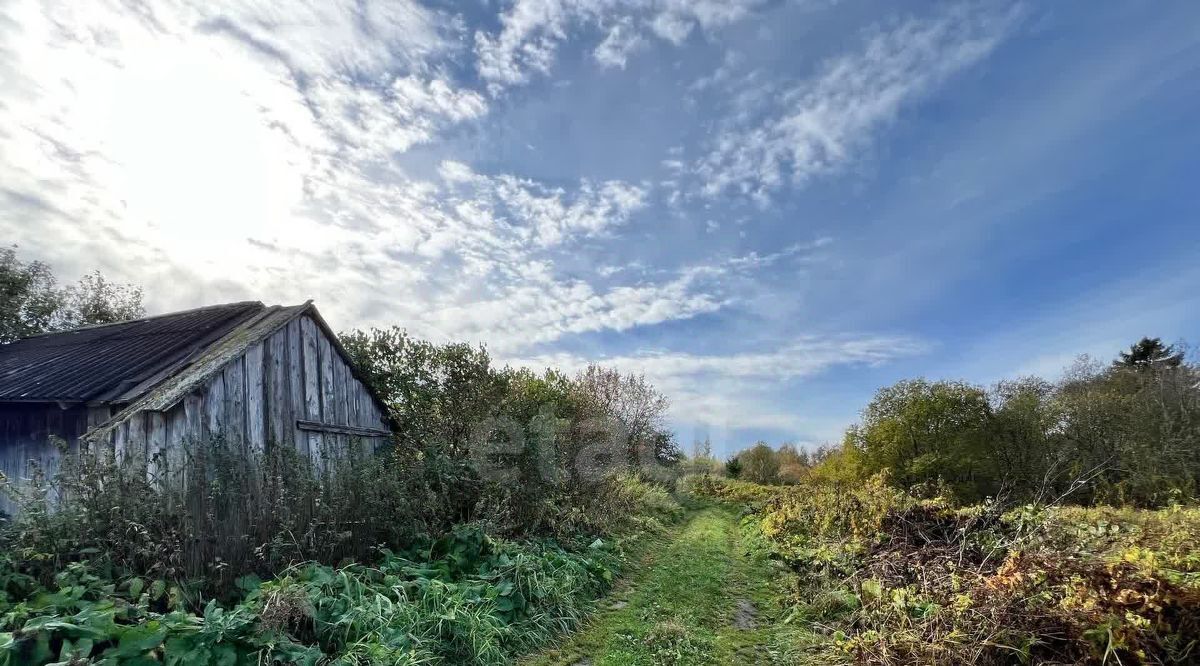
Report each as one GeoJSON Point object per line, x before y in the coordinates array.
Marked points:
{"type": "Point", "coordinates": [890, 579]}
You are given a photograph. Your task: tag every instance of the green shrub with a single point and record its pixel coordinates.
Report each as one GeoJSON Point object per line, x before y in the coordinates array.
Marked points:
{"type": "Point", "coordinates": [633, 497]}
{"type": "Point", "coordinates": [465, 598]}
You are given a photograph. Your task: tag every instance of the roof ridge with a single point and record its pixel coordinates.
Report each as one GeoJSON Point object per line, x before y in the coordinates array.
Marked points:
{"type": "Point", "coordinates": [168, 390]}
{"type": "Point", "coordinates": [90, 327]}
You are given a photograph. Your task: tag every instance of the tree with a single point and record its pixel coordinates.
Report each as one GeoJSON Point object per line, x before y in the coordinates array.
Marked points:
{"type": "Point", "coordinates": [759, 464]}
{"type": "Point", "coordinates": [1149, 354]}
{"type": "Point", "coordinates": [927, 432]}
{"type": "Point", "coordinates": [635, 404]}
{"type": "Point", "coordinates": [32, 303]}
{"type": "Point", "coordinates": [1133, 436]}
{"type": "Point", "coordinates": [438, 393]}
{"type": "Point", "coordinates": [702, 460]}
{"type": "Point", "coordinates": [95, 300]}
{"type": "Point", "coordinates": [666, 449]}
{"type": "Point", "coordinates": [29, 299]}
{"type": "Point", "coordinates": [1024, 445]}
{"type": "Point", "coordinates": [839, 465]}
{"type": "Point", "coordinates": [793, 463]}
{"type": "Point", "coordinates": [733, 467]}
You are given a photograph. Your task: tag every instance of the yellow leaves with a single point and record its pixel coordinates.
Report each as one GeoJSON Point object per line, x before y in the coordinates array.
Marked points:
{"type": "Point", "coordinates": [871, 590]}
{"type": "Point", "coordinates": [1137, 621]}
{"type": "Point", "coordinates": [1009, 575]}
{"type": "Point", "coordinates": [1129, 597]}
{"type": "Point", "coordinates": [1062, 582]}
{"type": "Point", "coordinates": [1143, 558]}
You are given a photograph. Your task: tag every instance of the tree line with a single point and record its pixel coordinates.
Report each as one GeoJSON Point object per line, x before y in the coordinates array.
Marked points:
{"type": "Point", "coordinates": [1125, 432]}
{"type": "Point", "coordinates": [514, 445]}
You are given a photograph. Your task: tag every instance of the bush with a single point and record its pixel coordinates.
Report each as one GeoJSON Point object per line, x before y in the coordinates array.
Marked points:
{"type": "Point", "coordinates": [118, 567]}
{"type": "Point", "coordinates": [759, 464]}
{"type": "Point", "coordinates": [634, 498]}
{"type": "Point", "coordinates": [724, 489]}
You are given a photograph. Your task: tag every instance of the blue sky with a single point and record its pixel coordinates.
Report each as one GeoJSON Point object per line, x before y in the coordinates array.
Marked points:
{"type": "Point", "coordinates": [771, 208]}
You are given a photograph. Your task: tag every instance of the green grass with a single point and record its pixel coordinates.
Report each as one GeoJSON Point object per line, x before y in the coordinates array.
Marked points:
{"type": "Point", "coordinates": [682, 605]}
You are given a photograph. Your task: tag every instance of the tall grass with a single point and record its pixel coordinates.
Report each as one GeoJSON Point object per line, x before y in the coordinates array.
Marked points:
{"type": "Point", "coordinates": [222, 513]}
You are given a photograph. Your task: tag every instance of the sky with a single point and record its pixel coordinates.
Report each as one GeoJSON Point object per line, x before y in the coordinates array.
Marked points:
{"type": "Point", "coordinates": [771, 208]}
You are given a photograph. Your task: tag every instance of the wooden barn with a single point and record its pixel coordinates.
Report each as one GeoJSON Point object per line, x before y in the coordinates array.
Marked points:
{"type": "Point", "coordinates": [144, 389]}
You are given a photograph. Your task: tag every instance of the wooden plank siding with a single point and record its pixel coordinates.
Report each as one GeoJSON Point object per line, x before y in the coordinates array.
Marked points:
{"type": "Point", "coordinates": [235, 403]}
{"type": "Point", "coordinates": [276, 397]}
{"type": "Point", "coordinates": [328, 394]}
{"type": "Point", "coordinates": [295, 374]}
{"type": "Point", "coordinates": [293, 387]}
{"type": "Point", "coordinates": [27, 446]}
{"type": "Point", "coordinates": [295, 384]}
{"type": "Point", "coordinates": [312, 383]}
{"type": "Point", "coordinates": [156, 446]}
{"type": "Point", "coordinates": [256, 399]}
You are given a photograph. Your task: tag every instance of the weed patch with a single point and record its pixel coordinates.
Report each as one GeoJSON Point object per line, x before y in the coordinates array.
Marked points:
{"type": "Point", "coordinates": [887, 579]}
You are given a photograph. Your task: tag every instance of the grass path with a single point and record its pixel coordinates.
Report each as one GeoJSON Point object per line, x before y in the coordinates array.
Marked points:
{"type": "Point", "coordinates": [701, 595]}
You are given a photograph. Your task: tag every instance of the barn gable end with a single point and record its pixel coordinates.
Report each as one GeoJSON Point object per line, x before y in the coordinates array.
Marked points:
{"type": "Point", "coordinates": [278, 376]}
{"type": "Point", "coordinates": [282, 378]}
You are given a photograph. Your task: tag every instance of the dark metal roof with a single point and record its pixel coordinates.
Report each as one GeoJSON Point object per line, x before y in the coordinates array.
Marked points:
{"type": "Point", "coordinates": [162, 391]}
{"type": "Point", "coordinates": [99, 363]}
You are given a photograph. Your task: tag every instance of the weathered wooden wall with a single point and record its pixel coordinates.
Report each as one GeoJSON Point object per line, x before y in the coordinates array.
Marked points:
{"type": "Point", "coordinates": [26, 444]}
{"type": "Point", "coordinates": [291, 388]}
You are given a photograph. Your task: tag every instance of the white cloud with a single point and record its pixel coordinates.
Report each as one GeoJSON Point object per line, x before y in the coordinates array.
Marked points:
{"type": "Point", "coordinates": [375, 122]}
{"type": "Point", "coordinates": [754, 260]}
{"type": "Point", "coordinates": [186, 126]}
{"type": "Point", "coordinates": [532, 30]}
{"type": "Point", "coordinates": [542, 308]}
{"type": "Point", "coordinates": [819, 126]}
{"type": "Point", "coordinates": [674, 20]}
{"type": "Point", "coordinates": [548, 215]}
{"type": "Point", "coordinates": [210, 158]}
{"type": "Point", "coordinates": [225, 150]}
{"type": "Point", "coordinates": [621, 41]}
{"type": "Point", "coordinates": [317, 35]}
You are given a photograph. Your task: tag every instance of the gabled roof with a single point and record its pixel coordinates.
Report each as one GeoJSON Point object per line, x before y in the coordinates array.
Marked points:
{"type": "Point", "coordinates": [167, 389]}
{"type": "Point", "coordinates": [105, 363]}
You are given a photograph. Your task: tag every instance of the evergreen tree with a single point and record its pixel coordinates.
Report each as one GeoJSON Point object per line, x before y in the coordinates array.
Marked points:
{"type": "Point", "coordinates": [1149, 354]}
{"type": "Point", "coordinates": [733, 467]}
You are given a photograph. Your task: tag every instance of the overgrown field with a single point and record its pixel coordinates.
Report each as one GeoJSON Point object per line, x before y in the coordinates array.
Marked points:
{"type": "Point", "coordinates": [463, 598]}
{"type": "Point", "coordinates": [885, 578]}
